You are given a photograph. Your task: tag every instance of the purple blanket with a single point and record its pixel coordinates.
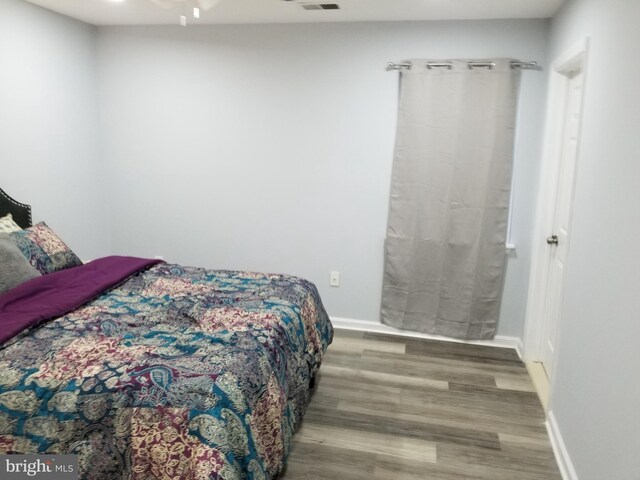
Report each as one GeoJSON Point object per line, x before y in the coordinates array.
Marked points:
{"type": "Point", "coordinates": [58, 293]}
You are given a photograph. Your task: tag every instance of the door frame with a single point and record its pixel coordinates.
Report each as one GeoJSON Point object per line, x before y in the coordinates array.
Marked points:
{"type": "Point", "coordinates": [575, 57]}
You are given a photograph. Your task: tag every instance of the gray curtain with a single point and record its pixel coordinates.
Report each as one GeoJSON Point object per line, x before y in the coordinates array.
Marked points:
{"type": "Point", "coordinates": [449, 202]}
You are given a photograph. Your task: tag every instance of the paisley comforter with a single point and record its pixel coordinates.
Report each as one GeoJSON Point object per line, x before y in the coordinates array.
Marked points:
{"type": "Point", "coordinates": [177, 373]}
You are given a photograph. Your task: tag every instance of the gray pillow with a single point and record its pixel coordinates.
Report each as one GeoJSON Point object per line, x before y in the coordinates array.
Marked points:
{"type": "Point", "coordinates": [14, 267]}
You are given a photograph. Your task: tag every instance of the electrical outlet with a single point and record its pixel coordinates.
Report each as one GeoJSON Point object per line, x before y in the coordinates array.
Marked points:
{"type": "Point", "coordinates": [334, 279]}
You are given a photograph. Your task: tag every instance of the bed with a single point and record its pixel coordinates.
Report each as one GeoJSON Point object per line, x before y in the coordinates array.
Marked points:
{"type": "Point", "coordinates": [148, 370]}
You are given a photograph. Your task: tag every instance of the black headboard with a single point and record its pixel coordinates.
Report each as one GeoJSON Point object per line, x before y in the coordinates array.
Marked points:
{"type": "Point", "coordinates": [21, 213]}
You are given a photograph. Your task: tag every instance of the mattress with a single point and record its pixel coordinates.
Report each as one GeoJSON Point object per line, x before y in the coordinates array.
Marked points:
{"type": "Point", "coordinates": [150, 370]}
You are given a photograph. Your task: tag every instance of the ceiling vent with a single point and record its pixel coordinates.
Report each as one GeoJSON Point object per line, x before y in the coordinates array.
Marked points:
{"type": "Point", "coordinates": [320, 6]}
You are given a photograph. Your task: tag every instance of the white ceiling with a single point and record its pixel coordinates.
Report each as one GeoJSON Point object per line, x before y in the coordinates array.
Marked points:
{"type": "Point", "coordinates": [145, 12]}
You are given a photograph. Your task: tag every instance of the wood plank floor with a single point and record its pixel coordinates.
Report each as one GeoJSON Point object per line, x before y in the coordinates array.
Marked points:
{"type": "Point", "coordinates": [398, 408]}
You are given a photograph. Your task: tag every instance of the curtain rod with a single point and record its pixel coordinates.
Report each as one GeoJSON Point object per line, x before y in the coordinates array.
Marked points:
{"type": "Point", "coordinates": [449, 65]}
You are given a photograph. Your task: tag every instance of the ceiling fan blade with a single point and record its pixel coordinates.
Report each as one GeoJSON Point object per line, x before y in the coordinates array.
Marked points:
{"type": "Point", "coordinates": [166, 4]}
{"type": "Point", "coordinates": [207, 4]}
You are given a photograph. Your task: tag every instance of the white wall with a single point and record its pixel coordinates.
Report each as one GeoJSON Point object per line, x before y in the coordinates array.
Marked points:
{"type": "Point", "coordinates": [48, 122]}
{"type": "Point", "coordinates": [596, 391]}
{"type": "Point", "coordinates": [269, 147]}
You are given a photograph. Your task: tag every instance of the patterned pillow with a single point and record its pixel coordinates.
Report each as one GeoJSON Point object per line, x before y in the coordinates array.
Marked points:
{"type": "Point", "coordinates": [14, 268]}
{"type": "Point", "coordinates": [44, 249]}
{"type": "Point", "coordinates": [7, 225]}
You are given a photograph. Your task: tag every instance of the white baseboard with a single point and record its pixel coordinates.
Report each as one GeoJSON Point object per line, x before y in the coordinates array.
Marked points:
{"type": "Point", "coordinates": [500, 341]}
{"type": "Point", "coordinates": [565, 465]}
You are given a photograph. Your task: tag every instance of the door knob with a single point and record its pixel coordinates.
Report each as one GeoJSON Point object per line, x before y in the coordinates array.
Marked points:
{"type": "Point", "coordinates": [552, 240]}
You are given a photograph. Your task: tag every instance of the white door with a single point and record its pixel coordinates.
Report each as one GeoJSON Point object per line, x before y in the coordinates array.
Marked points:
{"type": "Point", "coordinates": [558, 239]}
